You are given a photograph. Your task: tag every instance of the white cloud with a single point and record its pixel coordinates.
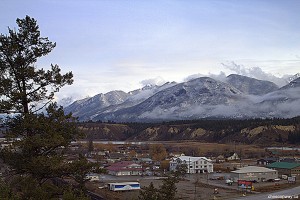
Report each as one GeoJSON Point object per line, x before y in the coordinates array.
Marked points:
{"type": "Point", "coordinates": [254, 72]}
{"type": "Point", "coordinates": [153, 81]}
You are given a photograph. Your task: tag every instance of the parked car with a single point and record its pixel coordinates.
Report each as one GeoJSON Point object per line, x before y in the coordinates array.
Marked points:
{"type": "Point", "coordinates": [285, 177]}
{"type": "Point", "coordinates": [228, 181]}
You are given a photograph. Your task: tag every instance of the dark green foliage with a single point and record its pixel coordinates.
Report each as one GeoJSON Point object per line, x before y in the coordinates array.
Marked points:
{"type": "Point", "coordinates": [91, 145]}
{"type": "Point", "coordinates": [73, 195]}
{"type": "Point", "coordinates": [294, 138]}
{"type": "Point", "coordinates": [167, 191]}
{"type": "Point", "coordinates": [149, 193]}
{"type": "Point", "coordinates": [181, 170]}
{"type": "Point", "coordinates": [221, 124]}
{"type": "Point", "coordinates": [6, 192]}
{"type": "Point", "coordinates": [39, 154]}
{"type": "Point", "coordinates": [43, 140]}
{"type": "Point", "coordinates": [39, 141]}
{"type": "Point", "coordinates": [21, 83]}
{"type": "Point", "coordinates": [79, 169]}
{"type": "Point", "coordinates": [279, 139]}
{"type": "Point", "coordinates": [26, 187]}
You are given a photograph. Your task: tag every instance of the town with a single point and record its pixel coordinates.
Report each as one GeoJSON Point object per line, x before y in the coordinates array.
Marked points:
{"type": "Point", "coordinates": [149, 100]}
{"type": "Point", "coordinates": [213, 175]}
{"type": "Point", "coordinates": [226, 174]}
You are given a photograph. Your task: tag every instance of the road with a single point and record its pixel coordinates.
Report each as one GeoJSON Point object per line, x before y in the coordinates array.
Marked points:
{"type": "Point", "coordinates": [293, 193]}
{"type": "Point", "coordinates": [94, 196]}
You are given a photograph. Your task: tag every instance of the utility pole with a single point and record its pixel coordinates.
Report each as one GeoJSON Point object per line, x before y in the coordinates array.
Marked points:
{"type": "Point", "coordinates": [240, 157]}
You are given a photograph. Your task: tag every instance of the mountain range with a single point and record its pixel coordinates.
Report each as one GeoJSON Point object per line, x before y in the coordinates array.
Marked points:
{"type": "Point", "coordinates": [237, 97]}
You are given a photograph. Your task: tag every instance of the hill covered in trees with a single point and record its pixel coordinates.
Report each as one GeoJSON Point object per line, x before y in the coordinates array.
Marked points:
{"type": "Point", "coordinates": [251, 131]}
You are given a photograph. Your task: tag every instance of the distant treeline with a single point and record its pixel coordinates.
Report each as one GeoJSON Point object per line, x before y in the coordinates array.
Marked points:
{"type": "Point", "coordinates": [212, 124]}
{"type": "Point", "coordinates": [220, 128]}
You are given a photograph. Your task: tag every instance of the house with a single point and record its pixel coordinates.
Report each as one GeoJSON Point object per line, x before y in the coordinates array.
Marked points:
{"type": "Point", "coordinates": [194, 164]}
{"type": "Point", "coordinates": [220, 159]}
{"type": "Point", "coordinates": [286, 168]}
{"type": "Point", "coordinates": [124, 168]}
{"type": "Point", "coordinates": [143, 160]}
{"type": "Point", "coordinates": [254, 173]}
{"type": "Point", "coordinates": [233, 156]}
{"type": "Point", "coordinates": [92, 177]}
{"type": "Point", "coordinates": [115, 157]}
{"type": "Point", "coordinates": [266, 161]}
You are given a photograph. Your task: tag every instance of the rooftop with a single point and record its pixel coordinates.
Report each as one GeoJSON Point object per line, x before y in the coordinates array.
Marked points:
{"type": "Point", "coordinates": [252, 169]}
{"type": "Point", "coordinates": [125, 166]}
{"type": "Point", "coordinates": [192, 159]}
{"type": "Point", "coordinates": [283, 165]}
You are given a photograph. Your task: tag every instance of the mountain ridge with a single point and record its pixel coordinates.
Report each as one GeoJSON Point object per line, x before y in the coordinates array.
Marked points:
{"type": "Point", "coordinates": [236, 97]}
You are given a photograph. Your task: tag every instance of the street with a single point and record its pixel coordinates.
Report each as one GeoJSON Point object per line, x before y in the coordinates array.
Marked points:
{"type": "Point", "coordinates": [293, 193]}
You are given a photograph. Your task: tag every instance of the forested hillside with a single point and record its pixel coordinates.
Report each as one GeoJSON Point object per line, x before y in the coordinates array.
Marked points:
{"type": "Point", "coordinates": [254, 131]}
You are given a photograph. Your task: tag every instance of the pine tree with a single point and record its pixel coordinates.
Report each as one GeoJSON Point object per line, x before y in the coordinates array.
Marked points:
{"type": "Point", "coordinates": [22, 84]}
{"type": "Point", "coordinates": [39, 139]}
{"type": "Point", "coordinates": [168, 189]}
{"type": "Point", "coordinates": [149, 193]}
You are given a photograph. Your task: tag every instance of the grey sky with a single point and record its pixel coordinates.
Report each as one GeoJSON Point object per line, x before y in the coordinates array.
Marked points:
{"type": "Point", "coordinates": [111, 44]}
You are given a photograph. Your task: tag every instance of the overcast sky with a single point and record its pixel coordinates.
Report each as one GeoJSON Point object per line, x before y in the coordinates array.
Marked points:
{"type": "Point", "coordinates": [110, 44]}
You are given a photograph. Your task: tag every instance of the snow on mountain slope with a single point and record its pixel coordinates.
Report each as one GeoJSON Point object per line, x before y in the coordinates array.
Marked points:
{"type": "Point", "coordinates": [89, 106]}
{"type": "Point", "coordinates": [239, 97]}
{"type": "Point", "coordinates": [250, 85]}
{"type": "Point", "coordinates": [181, 98]}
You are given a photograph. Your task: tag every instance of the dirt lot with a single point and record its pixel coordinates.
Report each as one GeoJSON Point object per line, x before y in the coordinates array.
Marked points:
{"type": "Point", "coordinates": [192, 187]}
{"type": "Point", "coordinates": [189, 188]}
{"type": "Point", "coordinates": [186, 190]}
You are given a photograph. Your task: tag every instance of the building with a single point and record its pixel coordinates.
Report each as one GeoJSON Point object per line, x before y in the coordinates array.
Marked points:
{"type": "Point", "coordinates": [194, 164]}
{"type": "Point", "coordinates": [124, 186]}
{"type": "Point", "coordinates": [115, 157]}
{"type": "Point", "coordinates": [124, 168]}
{"type": "Point", "coordinates": [286, 168]}
{"type": "Point", "coordinates": [93, 177]}
{"type": "Point", "coordinates": [233, 156]}
{"type": "Point", "coordinates": [220, 159]}
{"type": "Point", "coordinates": [290, 160]}
{"type": "Point", "coordinates": [254, 173]}
{"type": "Point", "coordinates": [266, 161]}
{"type": "Point", "coordinates": [148, 161]}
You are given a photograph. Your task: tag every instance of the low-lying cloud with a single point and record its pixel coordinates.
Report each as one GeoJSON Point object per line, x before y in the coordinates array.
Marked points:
{"type": "Point", "coordinates": [153, 81]}
{"type": "Point", "coordinates": [255, 72]}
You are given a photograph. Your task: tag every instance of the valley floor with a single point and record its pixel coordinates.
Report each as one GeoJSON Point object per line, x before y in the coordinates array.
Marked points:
{"type": "Point", "coordinates": [194, 187]}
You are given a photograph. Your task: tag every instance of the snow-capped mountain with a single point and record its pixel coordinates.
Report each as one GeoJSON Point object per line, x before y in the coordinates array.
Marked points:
{"type": "Point", "coordinates": [251, 85]}
{"type": "Point", "coordinates": [88, 107]}
{"type": "Point", "coordinates": [293, 84]}
{"type": "Point", "coordinates": [178, 101]}
{"type": "Point", "coordinates": [237, 97]}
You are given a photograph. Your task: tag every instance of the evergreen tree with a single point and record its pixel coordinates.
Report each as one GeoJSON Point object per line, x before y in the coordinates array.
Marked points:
{"type": "Point", "coordinates": [80, 168]}
{"type": "Point", "coordinates": [22, 84]}
{"type": "Point", "coordinates": [39, 140]}
{"type": "Point", "coordinates": [42, 140]}
{"type": "Point", "coordinates": [91, 145]}
{"type": "Point", "coordinates": [181, 170]}
{"type": "Point", "coordinates": [168, 189]}
{"type": "Point", "coordinates": [149, 193]}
